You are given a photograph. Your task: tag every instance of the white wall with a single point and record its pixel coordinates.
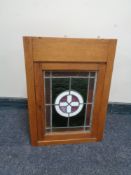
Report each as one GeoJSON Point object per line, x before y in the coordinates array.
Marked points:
{"type": "Point", "coordinates": [71, 18]}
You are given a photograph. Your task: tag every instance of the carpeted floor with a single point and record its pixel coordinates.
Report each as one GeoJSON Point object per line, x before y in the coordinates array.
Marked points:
{"type": "Point", "coordinates": [112, 156]}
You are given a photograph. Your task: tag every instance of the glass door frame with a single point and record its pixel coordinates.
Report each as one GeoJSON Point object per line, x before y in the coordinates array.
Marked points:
{"type": "Point", "coordinates": [68, 136]}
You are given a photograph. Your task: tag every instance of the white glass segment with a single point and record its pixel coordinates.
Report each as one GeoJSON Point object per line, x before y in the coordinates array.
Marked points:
{"type": "Point", "coordinates": [65, 108]}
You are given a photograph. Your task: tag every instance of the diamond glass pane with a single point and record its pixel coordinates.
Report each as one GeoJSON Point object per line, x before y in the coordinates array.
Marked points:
{"type": "Point", "coordinates": [69, 99]}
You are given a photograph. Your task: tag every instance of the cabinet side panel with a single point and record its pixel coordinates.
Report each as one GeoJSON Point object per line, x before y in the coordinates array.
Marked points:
{"type": "Point", "coordinates": [30, 89]}
{"type": "Point", "coordinates": [106, 88]}
{"type": "Point", "coordinates": [98, 99]}
{"type": "Point", "coordinates": [40, 106]}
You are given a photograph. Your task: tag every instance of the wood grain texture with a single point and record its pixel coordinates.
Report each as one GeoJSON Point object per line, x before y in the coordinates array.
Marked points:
{"type": "Point", "coordinates": [68, 49]}
{"type": "Point", "coordinates": [67, 135]}
{"type": "Point", "coordinates": [67, 54]}
{"type": "Point", "coordinates": [65, 141]}
{"type": "Point", "coordinates": [70, 66]}
{"type": "Point", "coordinates": [106, 88]}
{"type": "Point", "coordinates": [96, 120]}
{"type": "Point", "coordinates": [39, 91]}
{"type": "Point", "coordinates": [100, 68]}
{"type": "Point", "coordinates": [30, 89]}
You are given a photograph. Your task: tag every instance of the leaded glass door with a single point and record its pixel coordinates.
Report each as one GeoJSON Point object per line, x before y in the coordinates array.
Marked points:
{"type": "Point", "coordinates": [68, 100]}
{"type": "Point", "coordinates": [68, 82]}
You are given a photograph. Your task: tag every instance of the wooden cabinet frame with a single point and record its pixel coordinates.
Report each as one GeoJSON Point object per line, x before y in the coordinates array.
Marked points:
{"type": "Point", "coordinates": [43, 54]}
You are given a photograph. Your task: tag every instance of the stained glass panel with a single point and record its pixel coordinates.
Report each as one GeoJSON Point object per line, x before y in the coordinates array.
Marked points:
{"type": "Point", "coordinates": [69, 98]}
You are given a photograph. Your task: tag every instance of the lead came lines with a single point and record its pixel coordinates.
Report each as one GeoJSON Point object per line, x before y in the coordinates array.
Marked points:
{"type": "Point", "coordinates": [69, 98]}
{"type": "Point", "coordinates": [68, 121]}
{"type": "Point", "coordinates": [51, 100]}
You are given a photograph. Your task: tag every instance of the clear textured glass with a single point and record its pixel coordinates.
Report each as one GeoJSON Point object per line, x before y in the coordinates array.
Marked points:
{"type": "Point", "coordinates": [47, 90]}
{"type": "Point", "coordinates": [88, 114]}
{"type": "Point", "coordinates": [91, 90]}
{"type": "Point", "coordinates": [47, 111]}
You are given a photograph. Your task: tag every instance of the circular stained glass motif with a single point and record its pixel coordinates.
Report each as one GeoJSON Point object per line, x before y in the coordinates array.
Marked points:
{"type": "Point", "coordinates": [69, 103]}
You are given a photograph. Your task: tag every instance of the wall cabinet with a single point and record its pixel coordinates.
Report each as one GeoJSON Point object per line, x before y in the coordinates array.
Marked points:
{"type": "Point", "coordinates": [68, 82]}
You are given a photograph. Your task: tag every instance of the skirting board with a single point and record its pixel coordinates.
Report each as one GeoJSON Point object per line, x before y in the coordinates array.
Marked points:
{"type": "Point", "coordinates": [113, 107]}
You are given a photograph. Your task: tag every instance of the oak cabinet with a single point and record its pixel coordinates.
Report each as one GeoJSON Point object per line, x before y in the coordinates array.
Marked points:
{"type": "Point", "coordinates": [68, 82]}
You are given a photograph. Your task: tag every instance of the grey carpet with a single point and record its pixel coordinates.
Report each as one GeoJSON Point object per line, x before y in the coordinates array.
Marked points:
{"type": "Point", "coordinates": [112, 156]}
